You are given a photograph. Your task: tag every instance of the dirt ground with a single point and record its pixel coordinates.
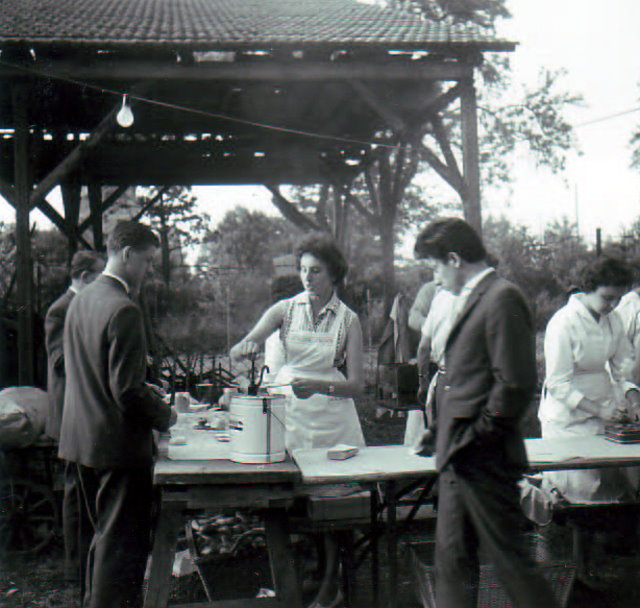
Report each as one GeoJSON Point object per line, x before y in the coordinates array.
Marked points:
{"type": "Point", "coordinates": [38, 582]}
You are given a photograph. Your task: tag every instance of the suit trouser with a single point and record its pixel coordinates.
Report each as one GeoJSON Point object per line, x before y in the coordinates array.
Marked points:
{"type": "Point", "coordinates": [118, 503]}
{"type": "Point", "coordinates": [76, 527]}
{"type": "Point", "coordinates": [481, 508]}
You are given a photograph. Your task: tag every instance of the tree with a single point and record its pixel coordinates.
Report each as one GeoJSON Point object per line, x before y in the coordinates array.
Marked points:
{"type": "Point", "coordinates": [173, 214]}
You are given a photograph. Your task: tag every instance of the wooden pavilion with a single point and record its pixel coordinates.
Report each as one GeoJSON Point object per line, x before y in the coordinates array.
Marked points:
{"type": "Point", "coordinates": [223, 92]}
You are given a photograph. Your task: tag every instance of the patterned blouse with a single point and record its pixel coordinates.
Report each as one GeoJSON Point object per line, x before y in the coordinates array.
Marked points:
{"type": "Point", "coordinates": [299, 316]}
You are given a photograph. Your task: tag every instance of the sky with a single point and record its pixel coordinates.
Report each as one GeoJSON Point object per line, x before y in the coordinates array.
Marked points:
{"type": "Point", "coordinates": [598, 45]}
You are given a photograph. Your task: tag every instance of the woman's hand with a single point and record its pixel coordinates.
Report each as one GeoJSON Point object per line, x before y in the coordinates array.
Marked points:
{"type": "Point", "coordinates": [303, 388]}
{"type": "Point", "coordinates": [613, 411]}
{"type": "Point", "coordinates": [244, 350]}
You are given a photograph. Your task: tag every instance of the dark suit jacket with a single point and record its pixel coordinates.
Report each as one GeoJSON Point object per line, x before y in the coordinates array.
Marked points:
{"type": "Point", "coordinates": [490, 378]}
{"type": "Point", "coordinates": [53, 330]}
{"type": "Point", "coordinates": [109, 412]}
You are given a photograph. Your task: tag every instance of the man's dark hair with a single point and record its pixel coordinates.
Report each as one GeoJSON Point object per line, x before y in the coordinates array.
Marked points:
{"type": "Point", "coordinates": [84, 261]}
{"type": "Point", "coordinates": [323, 247]}
{"type": "Point", "coordinates": [450, 235]}
{"type": "Point", "coordinates": [605, 272]}
{"type": "Point", "coordinates": [131, 234]}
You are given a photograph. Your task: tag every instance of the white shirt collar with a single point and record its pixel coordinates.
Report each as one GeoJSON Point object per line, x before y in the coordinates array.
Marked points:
{"type": "Point", "coordinates": [474, 281]}
{"type": "Point", "coordinates": [73, 289]}
{"type": "Point", "coordinates": [117, 278]}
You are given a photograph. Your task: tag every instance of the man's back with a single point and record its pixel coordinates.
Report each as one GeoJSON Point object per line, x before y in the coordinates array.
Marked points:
{"type": "Point", "coordinates": [54, 329]}
{"type": "Point", "coordinates": [108, 411]}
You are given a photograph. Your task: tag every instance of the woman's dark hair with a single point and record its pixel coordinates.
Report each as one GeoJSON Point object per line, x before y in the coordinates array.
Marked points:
{"type": "Point", "coordinates": [605, 272]}
{"type": "Point", "coordinates": [131, 234]}
{"type": "Point", "coordinates": [450, 235]}
{"type": "Point", "coordinates": [323, 247]}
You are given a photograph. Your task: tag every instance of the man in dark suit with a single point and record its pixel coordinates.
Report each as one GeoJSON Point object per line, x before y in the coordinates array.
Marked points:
{"type": "Point", "coordinates": [488, 382]}
{"type": "Point", "coordinates": [108, 417]}
{"type": "Point", "coordinates": [85, 267]}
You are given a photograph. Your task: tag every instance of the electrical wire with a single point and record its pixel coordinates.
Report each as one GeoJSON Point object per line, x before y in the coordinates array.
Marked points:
{"type": "Point", "coordinates": [607, 117]}
{"type": "Point", "coordinates": [174, 106]}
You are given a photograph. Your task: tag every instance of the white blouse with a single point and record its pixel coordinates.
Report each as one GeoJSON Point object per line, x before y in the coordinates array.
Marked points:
{"type": "Point", "coordinates": [584, 357]}
{"type": "Point", "coordinates": [629, 311]}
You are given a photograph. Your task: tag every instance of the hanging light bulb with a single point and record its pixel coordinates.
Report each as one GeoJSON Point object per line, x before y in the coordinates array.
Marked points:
{"type": "Point", "coordinates": [125, 115]}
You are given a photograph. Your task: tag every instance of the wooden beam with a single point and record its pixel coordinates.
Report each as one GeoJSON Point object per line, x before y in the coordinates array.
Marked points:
{"type": "Point", "coordinates": [237, 71]}
{"type": "Point", "coordinates": [7, 191]}
{"type": "Point", "coordinates": [442, 138]}
{"type": "Point", "coordinates": [94, 192]}
{"type": "Point", "coordinates": [439, 103]}
{"type": "Point", "coordinates": [151, 203]}
{"type": "Point", "coordinates": [24, 265]}
{"type": "Point", "coordinates": [379, 106]}
{"type": "Point", "coordinates": [471, 156]}
{"type": "Point", "coordinates": [289, 211]}
{"type": "Point", "coordinates": [57, 220]}
{"type": "Point", "coordinates": [71, 162]}
{"type": "Point", "coordinates": [71, 193]}
{"type": "Point", "coordinates": [444, 171]}
{"type": "Point", "coordinates": [105, 205]}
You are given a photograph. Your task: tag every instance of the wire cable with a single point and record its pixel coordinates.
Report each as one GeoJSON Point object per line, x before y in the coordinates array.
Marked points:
{"type": "Point", "coordinates": [174, 106]}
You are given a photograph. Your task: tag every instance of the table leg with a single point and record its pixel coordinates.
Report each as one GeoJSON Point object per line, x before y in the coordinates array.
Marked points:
{"type": "Point", "coordinates": [282, 566]}
{"type": "Point", "coordinates": [164, 548]}
{"type": "Point", "coordinates": [375, 557]}
{"type": "Point", "coordinates": [392, 544]}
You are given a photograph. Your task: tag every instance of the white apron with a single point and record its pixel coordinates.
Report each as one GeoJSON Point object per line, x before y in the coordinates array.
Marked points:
{"type": "Point", "coordinates": [320, 420]}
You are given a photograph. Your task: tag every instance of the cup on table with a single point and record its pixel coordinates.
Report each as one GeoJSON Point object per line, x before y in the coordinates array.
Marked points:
{"type": "Point", "coordinates": [183, 402]}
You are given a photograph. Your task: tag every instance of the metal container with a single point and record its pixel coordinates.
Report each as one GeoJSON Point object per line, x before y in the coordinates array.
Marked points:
{"type": "Point", "coordinates": [256, 428]}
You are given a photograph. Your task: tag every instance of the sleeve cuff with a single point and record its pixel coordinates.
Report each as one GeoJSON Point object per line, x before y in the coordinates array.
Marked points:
{"type": "Point", "coordinates": [574, 398]}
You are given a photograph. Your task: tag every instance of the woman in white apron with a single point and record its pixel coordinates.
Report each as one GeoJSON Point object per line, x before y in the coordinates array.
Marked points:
{"type": "Point", "coordinates": [588, 361]}
{"type": "Point", "coordinates": [319, 334]}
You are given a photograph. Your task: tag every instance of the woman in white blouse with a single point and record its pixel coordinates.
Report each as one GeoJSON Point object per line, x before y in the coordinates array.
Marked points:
{"type": "Point", "coordinates": [588, 361]}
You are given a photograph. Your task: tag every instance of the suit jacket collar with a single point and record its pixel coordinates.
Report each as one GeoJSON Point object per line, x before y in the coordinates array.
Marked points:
{"type": "Point", "coordinates": [115, 282]}
{"type": "Point", "coordinates": [475, 296]}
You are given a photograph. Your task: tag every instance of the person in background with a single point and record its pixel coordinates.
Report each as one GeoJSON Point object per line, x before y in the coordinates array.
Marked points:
{"type": "Point", "coordinates": [85, 267]}
{"type": "Point", "coordinates": [433, 338]}
{"type": "Point", "coordinates": [421, 305]}
{"type": "Point", "coordinates": [319, 334]}
{"type": "Point", "coordinates": [108, 417]}
{"type": "Point", "coordinates": [490, 377]}
{"type": "Point", "coordinates": [629, 310]}
{"type": "Point", "coordinates": [588, 363]}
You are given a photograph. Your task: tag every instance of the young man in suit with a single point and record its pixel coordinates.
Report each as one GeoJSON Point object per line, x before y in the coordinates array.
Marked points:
{"type": "Point", "coordinates": [488, 381]}
{"type": "Point", "coordinates": [85, 267]}
{"type": "Point", "coordinates": [108, 417]}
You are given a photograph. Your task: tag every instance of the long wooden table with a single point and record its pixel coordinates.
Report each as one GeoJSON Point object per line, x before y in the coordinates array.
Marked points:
{"type": "Point", "coordinates": [389, 466]}
{"type": "Point", "coordinates": [199, 477]}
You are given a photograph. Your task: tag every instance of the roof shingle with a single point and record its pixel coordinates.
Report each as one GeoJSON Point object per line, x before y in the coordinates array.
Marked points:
{"type": "Point", "coordinates": [229, 23]}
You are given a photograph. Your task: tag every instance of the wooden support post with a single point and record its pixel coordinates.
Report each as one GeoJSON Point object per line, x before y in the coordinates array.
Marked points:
{"type": "Point", "coordinates": [95, 209]}
{"type": "Point", "coordinates": [24, 264]}
{"type": "Point", "coordinates": [71, 192]}
{"type": "Point", "coordinates": [471, 155]}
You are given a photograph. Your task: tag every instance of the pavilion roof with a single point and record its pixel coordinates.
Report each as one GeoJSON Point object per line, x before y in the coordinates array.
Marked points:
{"type": "Point", "coordinates": [231, 24]}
